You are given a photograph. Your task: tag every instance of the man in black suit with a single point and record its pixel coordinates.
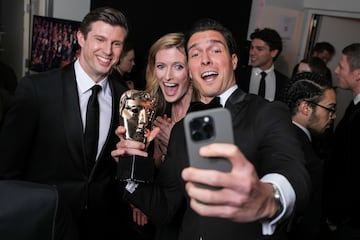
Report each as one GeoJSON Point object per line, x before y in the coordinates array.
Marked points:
{"type": "Point", "coordinates": [312, 104]}
{"type": "Point", "coordinates": [342, 171]}
{"type": "Point", "coordinates": [43, 135]}
{"type": "Point", "coordinates": [268, 181]}
{"type": "Point", "coordinates": [265, 48]}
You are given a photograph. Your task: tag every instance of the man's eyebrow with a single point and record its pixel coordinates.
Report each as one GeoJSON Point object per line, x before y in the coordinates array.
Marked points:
{"type": "Point", "coordinates": [216, 41]}
{"type": "Point", "coordinates": [209, 41]}
{"type": "Point", "coordinates": [192, 46]}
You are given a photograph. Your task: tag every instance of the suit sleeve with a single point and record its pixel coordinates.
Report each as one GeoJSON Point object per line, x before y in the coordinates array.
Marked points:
{"type": "Point", "coordinates": [281, 152]}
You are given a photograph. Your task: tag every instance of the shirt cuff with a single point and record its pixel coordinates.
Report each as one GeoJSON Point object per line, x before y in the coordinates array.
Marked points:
{"type": "Point", "coordinates": [287, 198]}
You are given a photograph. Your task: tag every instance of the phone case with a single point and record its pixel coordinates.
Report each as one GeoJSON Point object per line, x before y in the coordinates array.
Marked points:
{"type": "Point", "coordinates": [205, 127]}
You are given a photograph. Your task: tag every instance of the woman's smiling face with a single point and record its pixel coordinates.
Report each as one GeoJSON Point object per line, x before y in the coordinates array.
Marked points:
{"type": "Point", "coordinates": [171, 70]}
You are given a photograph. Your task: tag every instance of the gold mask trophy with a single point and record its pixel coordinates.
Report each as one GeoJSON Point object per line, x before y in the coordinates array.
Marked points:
{"type": "Point", "coordinates": [137, 112]}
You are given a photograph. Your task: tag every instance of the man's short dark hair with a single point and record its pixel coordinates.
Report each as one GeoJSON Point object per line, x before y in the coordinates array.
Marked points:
{"type": "Point", "coordinates": [206, 24]}
{"type": "Point", "coordinates": [306, 86]}
{"type": "Point", "coordinates": [271, 37]}
{"type": "Point", "coordinates": [323, 46]}
{"type": "Point", "coordinates": [108, 15]}
{"type": "Point", "coordinates": [352, 53]}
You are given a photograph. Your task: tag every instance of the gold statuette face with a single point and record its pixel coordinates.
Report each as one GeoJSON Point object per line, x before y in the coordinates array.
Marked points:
{"type": "Point", "coordinates": [137, 112]}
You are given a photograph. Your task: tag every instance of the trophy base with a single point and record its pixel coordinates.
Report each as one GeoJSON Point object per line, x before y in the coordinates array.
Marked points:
{"type": "Point", "coordinates": [135, 168]}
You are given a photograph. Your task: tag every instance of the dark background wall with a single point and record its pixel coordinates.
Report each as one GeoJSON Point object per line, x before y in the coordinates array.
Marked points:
{"type": "Point", "coordinates": [149, 21]}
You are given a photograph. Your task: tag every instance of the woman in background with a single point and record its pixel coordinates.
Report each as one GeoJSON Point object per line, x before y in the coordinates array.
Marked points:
{"type": "Point", "coordinates": [122, 70]}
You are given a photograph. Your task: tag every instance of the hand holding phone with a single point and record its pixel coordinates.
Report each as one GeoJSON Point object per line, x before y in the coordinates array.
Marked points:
{"type": "Point", "coordinates": [205, 127]}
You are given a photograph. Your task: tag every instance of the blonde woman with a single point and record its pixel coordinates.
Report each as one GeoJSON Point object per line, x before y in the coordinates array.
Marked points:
{"type": "Point", "coordinates": [167, 79]}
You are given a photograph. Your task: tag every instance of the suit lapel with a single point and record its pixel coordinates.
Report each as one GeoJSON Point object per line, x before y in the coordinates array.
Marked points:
{"type": "Point", "coordinates": [72, 116]}
{"type": "Point", "coordinates": [349, 113]}
{"type": "Point", "coordinates": [237, 96]}
{"type": "Point", "coordinates": [244, 78]}
{"type": "Point", "coordinates": [281, 81]}
{"type": "Point", "coordinates": [116, 89]}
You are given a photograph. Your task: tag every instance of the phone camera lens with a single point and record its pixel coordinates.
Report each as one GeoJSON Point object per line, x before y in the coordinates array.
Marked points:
{"type": "Point", "coordinates": [202, 128]}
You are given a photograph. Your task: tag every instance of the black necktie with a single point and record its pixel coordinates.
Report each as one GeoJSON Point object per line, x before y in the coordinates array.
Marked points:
{"type": "Point", "coordinates": [262, 85]}
{"type": "Point", "coordinates": [92, 126]}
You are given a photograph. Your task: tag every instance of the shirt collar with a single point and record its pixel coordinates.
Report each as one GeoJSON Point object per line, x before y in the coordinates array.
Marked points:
{"type": "Point", "coordinates": [306, 131]}
{"type": "Point", "coordinates": [84, 82]}
{"type": "Point", "coordinates": [225, 95]}
{"type": "Point", "coordinates": [357, 99]}
{"type": "Point", "coordinates": [258, 70]}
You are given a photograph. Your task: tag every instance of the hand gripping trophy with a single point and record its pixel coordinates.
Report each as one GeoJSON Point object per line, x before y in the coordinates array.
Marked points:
{"type": "Point", "coordinates": [137, 112]}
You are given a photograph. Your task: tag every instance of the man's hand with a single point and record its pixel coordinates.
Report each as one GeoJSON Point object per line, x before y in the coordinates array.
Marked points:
{"type": "Point", "coordinates": [242, 197]}
{"type": "Point", "coordinates": [131, 147]}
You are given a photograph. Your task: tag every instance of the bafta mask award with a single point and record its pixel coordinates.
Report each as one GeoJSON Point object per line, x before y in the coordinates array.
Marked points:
{"type": "Point", "coordinates": [137, 112]}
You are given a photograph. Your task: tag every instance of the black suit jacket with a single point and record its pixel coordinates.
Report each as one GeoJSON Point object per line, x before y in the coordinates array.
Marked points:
{"type": "Point", "coordinates": [308, 224]}
{"type": "Point", "coordinates": [264, 133]}
{"type": "Point", "coordinates": [342, 171]}
{"type": "Point", "coordinates": [42, 141]}
{"type": "Point", "coordinates": [243, 76]}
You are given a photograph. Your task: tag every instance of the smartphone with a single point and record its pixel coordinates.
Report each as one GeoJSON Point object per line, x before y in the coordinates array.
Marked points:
{"type": "Point", "coordinates": [205, 127]}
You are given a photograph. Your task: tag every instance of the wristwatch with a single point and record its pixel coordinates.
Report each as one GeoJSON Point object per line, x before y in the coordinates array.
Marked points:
{"type": "Point", "coordinates": [277, 197]}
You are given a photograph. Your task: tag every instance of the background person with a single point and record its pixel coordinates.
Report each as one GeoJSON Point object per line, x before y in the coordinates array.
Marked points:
{"type": "Point", "coordinates": [341, 172]}
{"type": "Point", "coordinates": [265, 48]}
{"type": "Point", "coordinates": [314, 65]}
{"type": "Point", "coordinates": [122, 70]}
{"type": "Point", "coordinates": [325, 51]}
{"type": "Point", "coordinates": [312, 104]}
{"type": "Point", "coordinates": [321, 142]}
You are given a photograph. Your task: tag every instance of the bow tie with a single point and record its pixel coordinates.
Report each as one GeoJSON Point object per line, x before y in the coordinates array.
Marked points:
{"type": "Point", "coordinates": [197, 106]}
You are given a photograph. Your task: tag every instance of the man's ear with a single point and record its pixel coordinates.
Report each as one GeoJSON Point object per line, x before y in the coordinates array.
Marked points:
{"type": "Point", "coordinates": [274, 53]}
{"type": "Point", "coordinates": [234, 61]}
{"type": "Point", "coordinates": [304, 108]}
{"type": "Point", "coordinates": [357, 74]}
{"type": "Point", "coordinates": [81, 38]}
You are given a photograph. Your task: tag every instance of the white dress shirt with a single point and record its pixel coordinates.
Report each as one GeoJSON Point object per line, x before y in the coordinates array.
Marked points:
{"type": "Point", "coordinates": [270, 80]}
{"type": "Point", "coordinates": [85, 83]}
